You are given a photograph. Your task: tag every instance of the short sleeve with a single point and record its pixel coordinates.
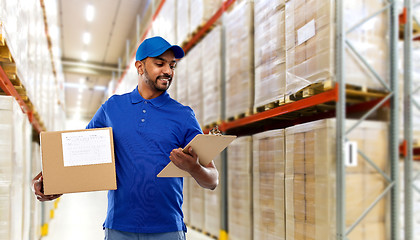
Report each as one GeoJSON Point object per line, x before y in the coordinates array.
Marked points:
{"type": "Point", "coordinates": [192, 128]}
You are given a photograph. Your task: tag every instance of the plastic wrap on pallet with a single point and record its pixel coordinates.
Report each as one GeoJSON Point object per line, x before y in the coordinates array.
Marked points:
{"type": "Point", "coordinates": [186, 206]}
{"type": "Point", "coordinates": [27, 177]}
{"type": "Point", "coordinates": [172, 90]}
{"type": "Point", "coordinates": [310, 180]}
{"type": "Point", "coordinates": [35, 212]}
{"type": "Point", "coordinates": [181, 72]}
{"type": "Point", "coordinates": [195, 81]}
{"type": "Point", "coordinates": [196, 205]}
{"type": "Point", "coordinates": [240, 189]}
{"type": "Point", "coordinates": [182, 21]}
{"type": "Point", "coordinates": [11, 166]}
{"type": "Point", "coordinates": [239, 59]}
{"type": "Point", "coordinates": [201, 11]}
{"type": "Point", "coordinates": [310, 43]}
{"type": "Point", "coordinates": [270, 52]}
{"type": "Point", "coordinates": [212, 77]}
{"type": "Point", "coordinates": [212, 205]}
{"type": "Point", "coordinates": [268, 185]}
{"type": "Point", "coordinates": [164, 24]}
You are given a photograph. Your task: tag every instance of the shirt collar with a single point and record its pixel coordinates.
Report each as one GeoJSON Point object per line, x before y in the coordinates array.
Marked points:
{"type": "Point", "coordinates": [157, 101]}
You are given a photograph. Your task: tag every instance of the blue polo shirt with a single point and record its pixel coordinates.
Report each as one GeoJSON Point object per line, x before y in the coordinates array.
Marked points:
{"type": "Point", "coordinates": [145, 132]}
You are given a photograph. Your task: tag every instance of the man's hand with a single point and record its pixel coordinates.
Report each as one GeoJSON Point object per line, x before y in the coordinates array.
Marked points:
{"type": "Point", "coordinates": [38, 189]}
{"type": "Point", "coordinates": [185, 161]}
{"type": "Point", "coordinates": [206, 176]}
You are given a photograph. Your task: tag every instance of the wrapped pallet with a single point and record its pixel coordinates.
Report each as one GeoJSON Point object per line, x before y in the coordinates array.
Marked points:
{"type": "Point", "coordinates": [268, 185]}
{"type": "Point", "coordinates": [196, 205]}
{"type": "Point", "coordinates": [195, 81]}
{"type": "Point", "coordinates": [201, 11]}
{"type": "Point", "coordinates": [164, 24]}
{"type": "Point", "coordinates": [181, 80]}
{"type": "Point", "coordinates": [182, 20]}
{"type": "Point", "coordinates": [310, 43]}
{"type": "Point", "coordinates": [239, 25]}
{"type": "Point", "coordinates": [310, 181]}
{"type": "Point", "coordinates": [212, 206]}
{"type": "Point", "coordinates": [240, 189]}
{"type": "Point", "coordinates": [186, 206]}
{"type": "Point", "coordinates": [270, 51]}
{"type": "Point", "coordinates": [11, 168]}
{"type": "Point", "coordinates": [212, 77]}
{"type": "Point", "coordinates": [35, 209]}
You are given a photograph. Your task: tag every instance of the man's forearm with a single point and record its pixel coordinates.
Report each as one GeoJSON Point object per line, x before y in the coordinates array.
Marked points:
{"type": "Point", "coordinates": [206, 177]}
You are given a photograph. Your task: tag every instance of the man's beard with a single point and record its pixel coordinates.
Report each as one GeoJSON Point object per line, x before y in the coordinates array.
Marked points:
{"type": "Point", "coordinates": [153, 83]}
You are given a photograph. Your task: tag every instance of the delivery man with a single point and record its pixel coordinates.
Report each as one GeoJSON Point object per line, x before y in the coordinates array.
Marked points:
{"type": "Point", "coordinates": [149, 128]}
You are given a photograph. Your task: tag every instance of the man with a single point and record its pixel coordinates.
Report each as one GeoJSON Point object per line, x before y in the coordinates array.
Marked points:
{"type": "Point", "coordinates": [149, 129]}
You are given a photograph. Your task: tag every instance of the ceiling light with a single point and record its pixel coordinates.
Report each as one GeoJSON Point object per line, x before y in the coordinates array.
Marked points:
{"type": "Point", "coordinates": [84, 56]}
{"type": "Point", "coordinates": [90, 12]}
{"type": "Point", "coordinates": [86, 38]}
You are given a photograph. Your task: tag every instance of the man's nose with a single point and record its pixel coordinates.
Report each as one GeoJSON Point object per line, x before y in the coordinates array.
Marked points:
{"type": "Point", "coordinates": [167, 69]}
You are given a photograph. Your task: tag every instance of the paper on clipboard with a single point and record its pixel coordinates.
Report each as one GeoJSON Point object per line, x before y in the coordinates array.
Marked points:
{"type": "Point", "coordinates": [206, 146]}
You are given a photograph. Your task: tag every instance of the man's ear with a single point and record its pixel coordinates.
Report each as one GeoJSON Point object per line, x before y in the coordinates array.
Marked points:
{"type": "Point", "coordinates": [140, 67]}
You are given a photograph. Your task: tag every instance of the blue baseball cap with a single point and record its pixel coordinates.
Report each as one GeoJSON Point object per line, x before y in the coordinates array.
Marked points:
{"type": "Point", "coordinates": [156, 46]}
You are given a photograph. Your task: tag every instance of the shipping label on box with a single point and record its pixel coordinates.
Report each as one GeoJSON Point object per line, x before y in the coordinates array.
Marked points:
{"type": "Point", "coordinates": [78, 161]}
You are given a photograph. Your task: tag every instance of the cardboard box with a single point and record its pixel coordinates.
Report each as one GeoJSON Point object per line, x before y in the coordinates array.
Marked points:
{"type": "Point", "coordinates": [78, 161]}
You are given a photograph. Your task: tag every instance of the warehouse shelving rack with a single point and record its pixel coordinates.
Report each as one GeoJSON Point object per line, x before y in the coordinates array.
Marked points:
{"type": "Point", "coordinates": [341, 133]}
{"type": "Point", "coordinates": [409, 104]}
{"type": "Point", "coordinates": [269, 119]}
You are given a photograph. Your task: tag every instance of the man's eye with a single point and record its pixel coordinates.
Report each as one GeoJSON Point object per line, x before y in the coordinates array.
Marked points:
{"type": "Point", "coordinates": [159, 64]}
{"type": "Point", "coordinates": [172, 66]}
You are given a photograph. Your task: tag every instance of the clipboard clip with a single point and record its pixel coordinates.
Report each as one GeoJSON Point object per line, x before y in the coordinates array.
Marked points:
{"type": "Point", "coordinates": [215, 131]}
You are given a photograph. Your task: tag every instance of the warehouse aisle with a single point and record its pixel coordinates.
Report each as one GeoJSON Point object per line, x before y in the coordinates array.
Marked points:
{"type": "Point", "coordinates": [80, 216]}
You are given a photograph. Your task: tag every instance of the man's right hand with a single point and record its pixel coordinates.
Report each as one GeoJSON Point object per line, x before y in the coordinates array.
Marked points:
{"type": "Point", "coordinates": [38, 189]}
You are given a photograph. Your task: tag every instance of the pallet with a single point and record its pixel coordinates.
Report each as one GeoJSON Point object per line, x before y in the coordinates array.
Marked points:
{"type": "Point", "coordinates": [239, 116]}
{"type": "Point", "coordinates": [309, 91]}
{"type": "Point", "coordinates": [354, 93]}
{"type": "Point", "coordinates": [269, 105]}
{"type": "Point", "coordinates": [212, 125]}
{"type": "Point", "coordinates": [195, 32]}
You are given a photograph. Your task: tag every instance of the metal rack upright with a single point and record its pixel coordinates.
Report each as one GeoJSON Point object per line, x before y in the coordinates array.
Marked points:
{"type": "Point", "coordinates": [341, 132]}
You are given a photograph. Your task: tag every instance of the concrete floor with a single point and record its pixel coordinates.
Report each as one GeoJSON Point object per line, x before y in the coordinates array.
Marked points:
{"type": "Point", "coordinates": [81, 215]}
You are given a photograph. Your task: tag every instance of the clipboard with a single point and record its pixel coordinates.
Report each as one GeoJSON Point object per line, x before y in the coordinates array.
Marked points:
{"type": "Point", "coordinates": [207, 147]}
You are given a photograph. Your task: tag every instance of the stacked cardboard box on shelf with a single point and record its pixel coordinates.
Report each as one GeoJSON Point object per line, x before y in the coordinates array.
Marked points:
{"type": "Point", "coordinates": [212, 205]}
{"type": "Point", "coordinates": [270, 54]}
{"type": "Point", "coordinates": [182, 20]}
{"type": "Point", "coordinates": [15, 132]}
{"type": "Point", "coordinates": [212, 77]}
{"type": "Point", "coordinates": [181, 80]}
{"type": "Point", "coordinates": [310, 43]}
{"type": "Point", "coordinates": [196, 205]}
{"type": "Point", "coordinates": [186, 206]}
{"type": "Point", "coordinates": [239, 24]}
{"type": "Point", "coordinates": [35, 208]}
{"type": "Point", "coordinates": [165, 24]}
{"type": "Point", "coordinates": [268, 185]}
{"type": "Point", "coordinates": [22, 27]}
{"type": "Point", "coordinates": [240, 189]}
{"type": "Point", "coordinates": [195, 81]}
{"type": "Point", "coordinates": [310, 181]}
{"type": "Point", "coordinates": [201, 11]}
